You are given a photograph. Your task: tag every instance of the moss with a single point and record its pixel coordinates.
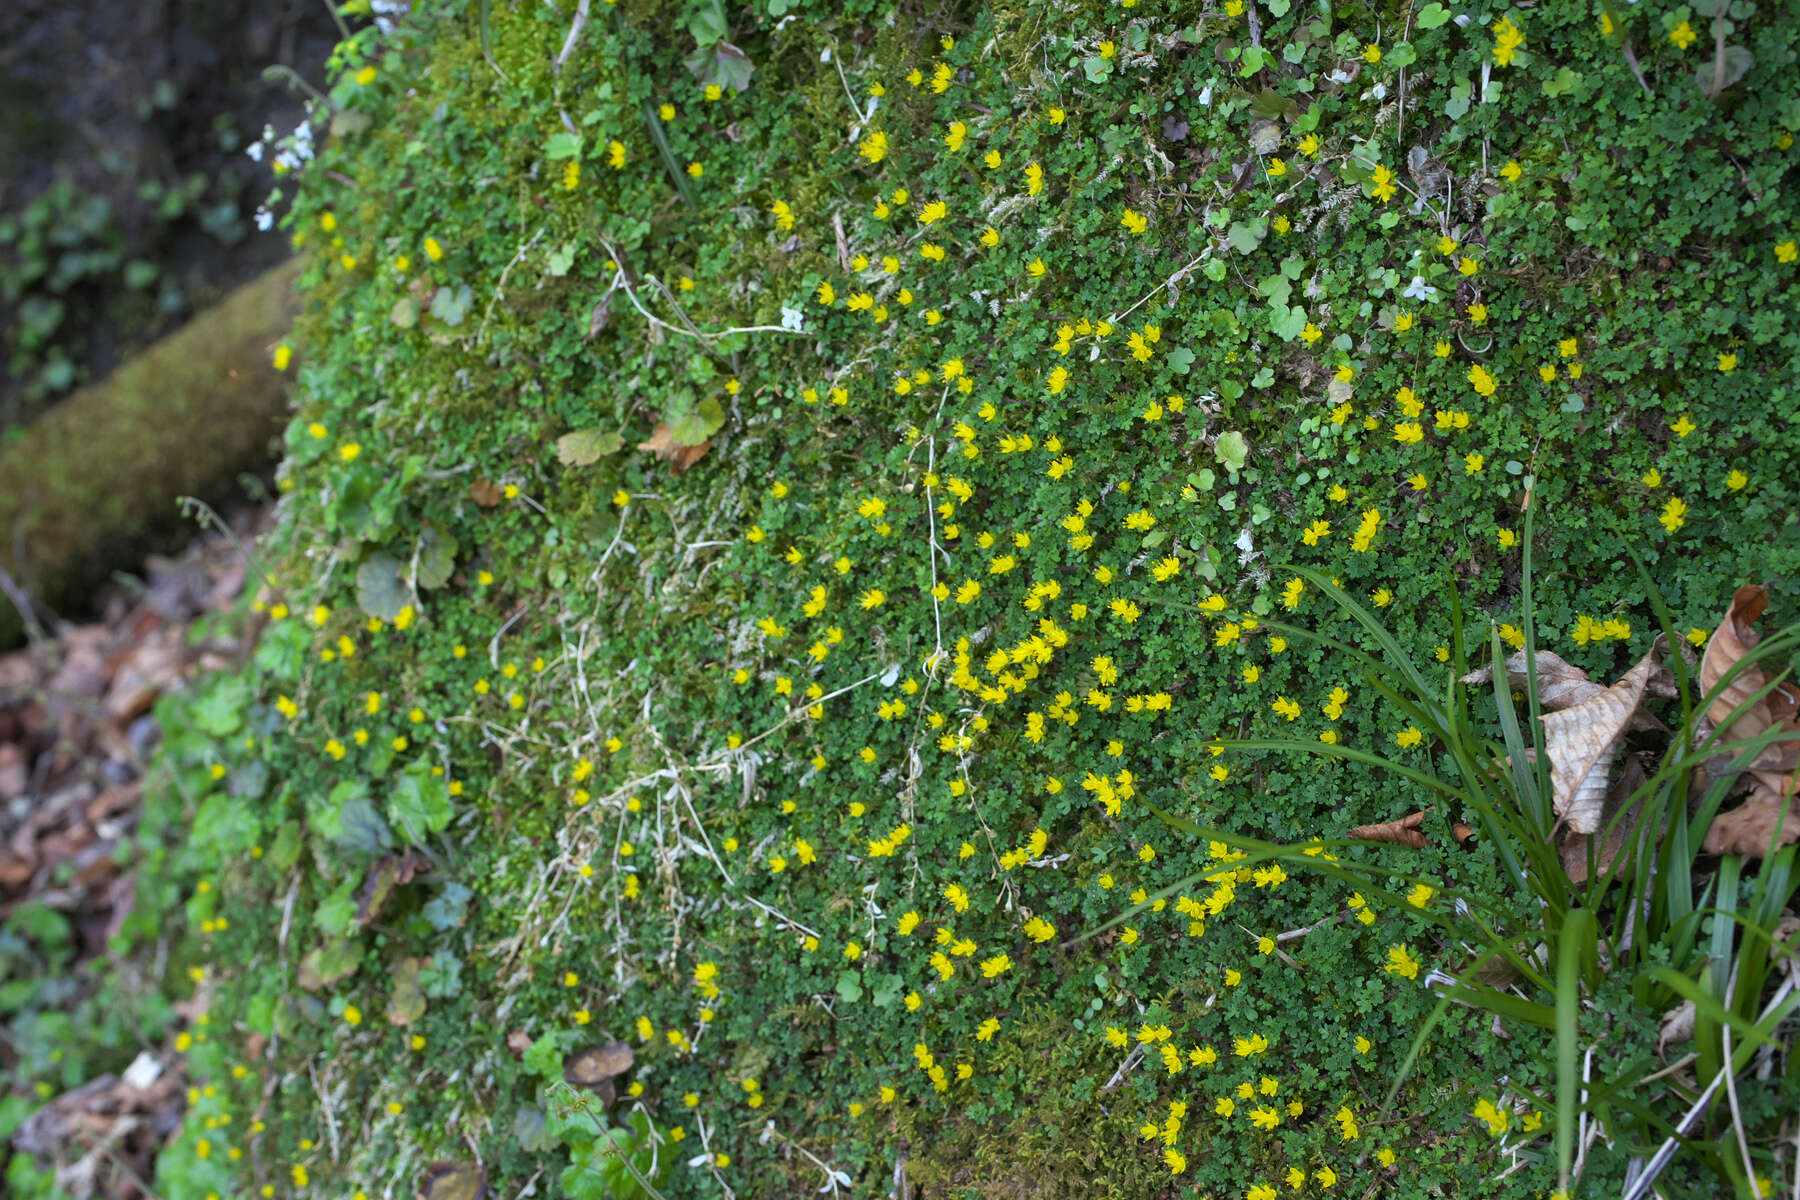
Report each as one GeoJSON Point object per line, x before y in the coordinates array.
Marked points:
{"type": "Point", "coordinates": [94, 482]}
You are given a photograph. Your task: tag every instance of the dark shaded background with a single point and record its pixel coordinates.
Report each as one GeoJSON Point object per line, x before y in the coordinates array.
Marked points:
{"type": "Point", "coordinates": [124, 122]}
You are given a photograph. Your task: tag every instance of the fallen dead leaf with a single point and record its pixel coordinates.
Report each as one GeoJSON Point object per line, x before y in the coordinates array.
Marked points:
{"type": "Point", "coordinates": [667, 449]}
{"type": "Point", "coordinates": [593, 1066]}
{"type": "Point", "coordinates": [1582, 741]}
{"type": "Point", "coordinates": [452, 1181]}
{"type": "Point", "coordinates": [485, 492]}
{"type": "Point", "coordinates": [1574, 849]}
{"type": "Point", "coordinates": [389, 872]}
{"type": "Point", "coordinates": [1407, 831]}
{"type": "Point", "coordinates": [1563, 685]}
{"type": "Point", "coordinates": [1774, 775]}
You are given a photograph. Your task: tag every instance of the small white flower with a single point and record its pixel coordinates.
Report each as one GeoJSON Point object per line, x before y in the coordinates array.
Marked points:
{"type": "Point", "coordinates": [792, 318]}
{"type": "Point", "coordinates": [265, 220]}
{"type": "Point", "coordinates": [1418, 289]}
{"type": "Point", "coordinates": [255, 151]}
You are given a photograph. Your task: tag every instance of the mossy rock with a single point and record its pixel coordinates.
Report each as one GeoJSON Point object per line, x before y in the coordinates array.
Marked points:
{"type": "Point", "coordinates": [94, 483]}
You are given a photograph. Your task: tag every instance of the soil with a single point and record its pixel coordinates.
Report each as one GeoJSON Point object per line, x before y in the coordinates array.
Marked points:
{"type": "Point", "coordinates": [114, 95]}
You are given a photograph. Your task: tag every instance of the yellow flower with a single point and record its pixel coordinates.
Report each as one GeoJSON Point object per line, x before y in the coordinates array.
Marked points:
{"type": "Point", "coordinates": [1673, 514]}
{"type": "Point", "coordinates": [1728, 362]}
{"type": "Point", "coordinates": [1507, 40]}
{"type": "Point", "coordinates": [696, 170]}
{"type": "Point", "coordinates": [1511, 172]}
{"type": "Point", "coordinates": [284, 354]}
{"type": "Point", "coordinates": [1682, 36]}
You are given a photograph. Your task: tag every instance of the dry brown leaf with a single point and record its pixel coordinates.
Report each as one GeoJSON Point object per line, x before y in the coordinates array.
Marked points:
{"type": "Point", "coordinates": [679, 457]}
{"type": "Point", "coordinates": [1573, 850]}
{"type": "Point", "coordinates": [389, 872]}
{"type": "Point", "coordinates": [1407, 831]}
{"type": "Point", "coordinates": [452, 1181]}
{"type": "Point", "coordinates": [1775, 772]}
{"type": "Point", "coordinates": [1563, 685]}
{"type": "Point", "coordinates": [1750, 827]}
{"type": "Point", "coordinates": [1677, 1025]}
{"type": "Point", "coordinates": [1734, 639]}
{"type": "Point", "coordinates": [485, 492]}
{"type": "Point", "coordinates": [590, 1064]}
{"type": "Point", "coordinates": [593, 1068]}
{"type": "Point", "coordinates": [1582, 741]}
{"type": "Point", "coordinates": [1560, 684]}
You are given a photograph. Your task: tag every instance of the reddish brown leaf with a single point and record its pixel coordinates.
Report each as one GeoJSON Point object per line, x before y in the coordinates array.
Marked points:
{"type": "Point", "coordinates": [452, 1181]}
{"type": "Point", "coordinates": [485, 492]}
{"type": "Point", "coordinates": [679, 457]}
{"type": "Point", "coordinates": [389, 872]}
{"type": "Point", "coordinates": [1407, 831]}
{"type": "Point", "coordinates": [592, 1066]}
{"type": "Point", "coordinates": [1774, 774]}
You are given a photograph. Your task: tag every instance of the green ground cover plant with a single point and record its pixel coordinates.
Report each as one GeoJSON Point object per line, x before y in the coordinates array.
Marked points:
{"type": "Point", "coordinates": [782, 495]}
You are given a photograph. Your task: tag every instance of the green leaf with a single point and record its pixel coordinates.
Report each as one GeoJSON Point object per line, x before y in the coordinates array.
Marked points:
{"type": "Point", "coordinates": [325, 965]}
{"type": "Point", "coordinates": [1231, 450]}
{"type": "Point", "coordinates": [360, 829]}
{"type": "Point", "coordinates": [563, 145]}
{"type": "Point", "coordinates": [561, 259]}
{"type": "Point", "coordinates": [451, 303]}
{"type": "Point", "coordinates": [1457, 107]}
{"type": "Point", "coordinates": [1565, 82]}
{"type": "Point", "coordinates": [695, 427]}
{"type": "Point", "coordinates": [285, 851]}
{"type": "Point", "coordinates": [1431, 16]}
{"type": "Point", "coordinates": [722, 64]}
{"type": "Point", "coordinates": [530, 1130]}
{"type": "Point", "coordinates": [221, 711]}
{"type": "Point", "coordinates": [419, 804]}
{"type": "Point", "coordinates": [1738, 62]}
{"type": "Point", "coordinates": [405, 313]}
{"type": "Point", "coordinates": [1098, 69]}
{"type": "Point", "coordinates": [584, 447]}
{"type": "Point", "coordinates": [544, 1058]}
{"type": "Point", "coordinates": [1246, 236]}
{"type": "Point", "coordinates": [448, 908]}
{"type": "Point", "coordinates": [406, 1000]}
{"type": "Point", "coordinates": [1180, 360]}
{"type": "Point", "coordinates": [436, 555]}
{"type": "Point", "coordinates": [337, 910]}
{"type": "Point", "coordinates": [849, 987]}
{"type": "Point", "coordinates": [707, 23]}
{"type": "Point", "coordinates": [1288, 323]}
{"type": "Point", "coordinates": [380, 591]}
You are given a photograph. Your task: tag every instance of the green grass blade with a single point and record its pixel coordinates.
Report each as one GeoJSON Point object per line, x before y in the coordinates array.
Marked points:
{"type": "Point", "coordinates": [653, 123]}
{"type": "Point", "coordinates": [487, 38]}
{"type": "Point", "coordinates": [1578, 933]}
